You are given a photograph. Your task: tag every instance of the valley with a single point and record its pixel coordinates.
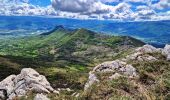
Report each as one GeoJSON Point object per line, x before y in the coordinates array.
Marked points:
{"type": "Point", "coordinates": [66, 57]}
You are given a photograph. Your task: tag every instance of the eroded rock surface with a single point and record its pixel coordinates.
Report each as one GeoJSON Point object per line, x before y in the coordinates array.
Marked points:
{"type": "Point", "coordinates": [41, 97]}
{"type": "Point", "coordinates": [166, 52]}
{"type": "Point", "coordinates": [120, 68]}
{"type": "Point", "coordinates": [117, 67]}
{"type": "Point", "coordinates": [142, 53]}
{"type": "Point", "coordinates": [19, 85]}
{"type": "Point", "coordinates": [92, 79]}
{"type": "Point", "coordinates": [140, 57]}
{"type": "Point", "coordinates": [147, 49]}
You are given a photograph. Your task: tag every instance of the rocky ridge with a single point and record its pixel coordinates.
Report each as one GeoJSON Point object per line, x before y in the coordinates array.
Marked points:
{"type": "Point", "coordinates": [122, 68]}
{"type": "Point", "coordinates": [30, 80]}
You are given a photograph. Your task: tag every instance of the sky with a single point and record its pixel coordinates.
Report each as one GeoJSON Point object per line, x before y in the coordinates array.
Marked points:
{"type": "Point", "coordinates": [124, 10]}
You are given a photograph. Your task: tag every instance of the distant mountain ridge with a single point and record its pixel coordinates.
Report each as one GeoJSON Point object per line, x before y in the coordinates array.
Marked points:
{"type": "Point", "coordinates": [78, 49]}
{"type": "Point", "coordinates": [156, 32]}
{"type": "Point", "coordinates": [58, 27]}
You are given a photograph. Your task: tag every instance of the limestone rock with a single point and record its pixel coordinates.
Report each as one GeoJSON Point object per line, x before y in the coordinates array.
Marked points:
{"type": "Point", "coordinates": [115, 76]}
{"type": "Point", "coordinates": [7, 85]}
{"type": "Point", "coordinates": [27, 80]}
{"type": "Point", "coordinates": [41, 97]}
{"type": "Point", "coordinates": [147, 49]}
{"type": "Point", "coordinates": [2, 95]}
{"type": "Point", "coordinates": [139, 57]}
{"type": "Point", "coordinates": [166, 52]}
{"type": "Point", "coordinates": [168, 58]}
{"type": "Point", "coordinates": [116, 66]}
{"type": "Point", "coordinates": [120, 68]}
{"type": "Point", "coordinates": [92, 79]}
{"type": "Point", "coordinates": [141, 53]}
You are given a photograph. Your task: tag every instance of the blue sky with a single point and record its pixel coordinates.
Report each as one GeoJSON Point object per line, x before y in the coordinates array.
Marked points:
{"type": "Point", "coordinates": [40, 2]}
{"type": "Point", "coordinates": [89, 9]}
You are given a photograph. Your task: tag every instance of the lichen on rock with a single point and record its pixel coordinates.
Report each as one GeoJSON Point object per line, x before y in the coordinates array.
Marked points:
{"type": "Point", "coordinates": [27, 80]}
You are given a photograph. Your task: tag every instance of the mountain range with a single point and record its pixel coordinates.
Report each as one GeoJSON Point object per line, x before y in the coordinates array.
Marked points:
{"type": "Point", "coordinates": [67, 58]}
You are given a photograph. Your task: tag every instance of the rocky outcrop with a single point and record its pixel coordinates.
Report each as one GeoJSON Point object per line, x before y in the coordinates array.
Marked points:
{"type": "Point", "coordinates": [138, 56]}
{"type": "Point", "coordinates": [142, 53]}
{"type": "Point", "coordinates": [117, 67]}
{"type": "Point", "coordinates": [166, 52]}
{"type": "Point", "coordinates": [121, 68]}
{"type": "Point", "coordinates": [28, 80]}
{"type": "Point", "coordinates": [148, 49]}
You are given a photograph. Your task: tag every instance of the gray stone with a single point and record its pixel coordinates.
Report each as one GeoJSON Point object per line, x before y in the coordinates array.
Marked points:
{"type": "Point", "coordinates": [166, 52]}
{"type": "Point", "coordinates": [27, 80]}
{"type": "Point", "coordinates": [2, 95]}
{"type": "Point", "coordinates": [168, 57]}
{"type": "Point", "coordinates": [115, 76]}
{"type": "Point", "coordinates": [141, 58]}
{"type": "Point", "coordinates": [8, 84]}
{"type": "Point", "coordinates": [116, 66]}
{"type": "Point", "coordinates": [147, 49]}
{"type": "Point", "coordinates": [92, 79]}
{"type": "Point", "coordinates": [41, 97]}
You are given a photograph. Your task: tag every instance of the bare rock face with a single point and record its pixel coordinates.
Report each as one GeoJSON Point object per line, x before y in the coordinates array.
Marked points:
{"type": "Point", "coordinates": [116, 66]}
{"type": "Point", "coordinates": [92, 79]}
{"type": "Point", "coordinates": [27, 80]}
{"type": "Point", "coordinates": [119, 68]}
{"type": "Point", "coordinates": [41, 97]}
{"type": "Point", "coordinates": [166, 52]}
{"type": "Point", "coordinates": [141, 53]}
{"type": "Point", "coordinates": [141, 57]}
{"type": "Point", "coordinates": [148, 49]}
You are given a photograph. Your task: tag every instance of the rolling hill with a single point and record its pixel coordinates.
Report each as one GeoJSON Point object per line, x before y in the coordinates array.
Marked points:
{"type": "Point", "coordinates": [63, 55]}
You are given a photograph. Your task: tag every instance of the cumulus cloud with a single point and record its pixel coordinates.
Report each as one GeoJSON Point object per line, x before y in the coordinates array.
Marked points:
{"type": "Point", "coordinates": [145, 12]}
{"type": "Point", "coordinates": [90, 9]}
{"type": "Point", "coordinates": [109, 1]}
{"type": "Point", "coordinates": [81, 6]}
{"type": "Point", "coordinates": [26, 10]}
{"type": "Point", "coordinates": [163, 4]}
{"type": "Point", "coordinates": [14, 1]}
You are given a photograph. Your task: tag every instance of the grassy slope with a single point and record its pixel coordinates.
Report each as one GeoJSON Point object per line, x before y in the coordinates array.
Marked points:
{"type": "Point", "coordinates": [153, 83]}
{"type": "Point", "coordinates": [64, 56]}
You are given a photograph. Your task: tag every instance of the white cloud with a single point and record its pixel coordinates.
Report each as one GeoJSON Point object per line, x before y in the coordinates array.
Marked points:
{"type": "Point", "coordinates": [163, 4]}
{"type": "Point", "coordinates": [81, 6]}
{"type": "Point", "coordinates": [14, 1]}
{"type": "Point", "coordinates": [109, 1]}
{"type": "Point", "coordinates": [88, 9]}
{"type": "Point", "coordinates": [26, 10]}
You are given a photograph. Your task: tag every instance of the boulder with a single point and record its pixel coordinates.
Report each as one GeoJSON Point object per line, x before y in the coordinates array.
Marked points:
{"type": "Point", "coordinates": [27, 80]}
{"type": "Point", "coordinates": [166, 52]}
{"type": "Point", "coordinates": [41, 97]}
{"type": "Point", "coordinates": [147, 49]}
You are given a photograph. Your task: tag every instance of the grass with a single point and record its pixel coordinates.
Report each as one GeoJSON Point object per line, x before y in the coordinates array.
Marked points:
{"type": "Point", "coordinates": [65, 58]}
